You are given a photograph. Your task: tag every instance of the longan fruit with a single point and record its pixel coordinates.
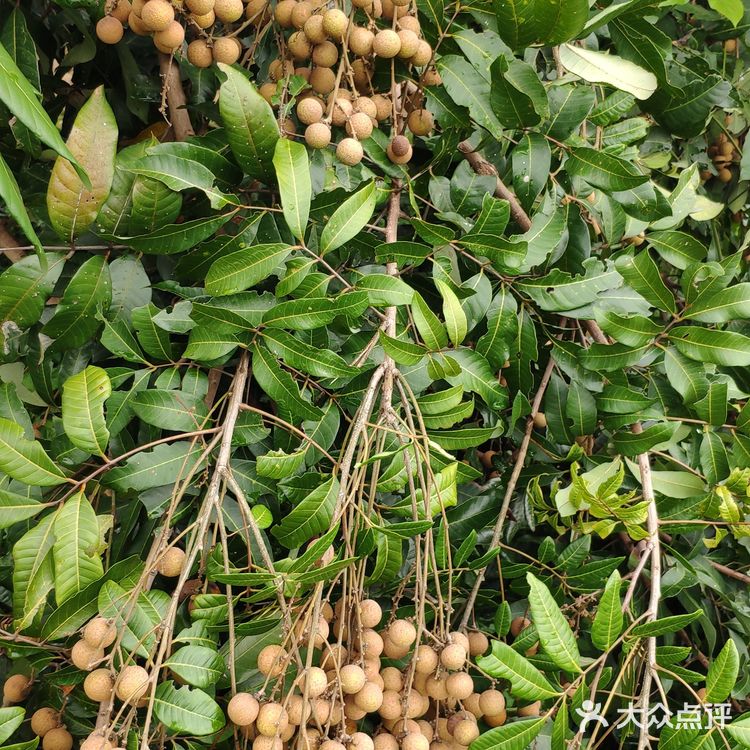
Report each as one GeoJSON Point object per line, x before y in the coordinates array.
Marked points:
{"type": "Point", "coordinates": [323, 80]}
{"type": "Point", "coordinates": [385, 741]}
{"type": "Point", "coordinates": [361, 74]}
{"type": "Point", "coordinates": [409, 43]}
{"type": "Point", "coordinates": [309, 110]}
{"type": "Point", "coordinates": [427, 659]}
{"type": "Point", "coordinates": [200, 7]}
{"type": "Point", "coordinates": [98, 685]}
{"type": "Point", "coordinates": [370, 697]}
{"type": "Point", "coordinates": [436, 687]}
{"type": "Point", "coordinates": [283, 13]}
{"type": "Point", "coordinates": [171, 38]}
{"type": "Point", "coordinates": [533, 709]}
{"type": "Point", "coordinates": [309, 738]}
{"type": "Point", "coordinates": [271, 660]}
{"type": "Point", "coordinates": [730, 46]}
{"type": "Point", "coordinates": [420, 121]}
{"type": "Point", "coordinates": [517, 624]}
{"type": "Point", "coordinates": [497, 720]}
{"type": "Point", "coordinates": [16, 688]}
{"type": "Point", "coordinates": [404, 149]}
{"type": "Point", "coordinates": [390, 707]}
{"type": "Point", "coordinates": [95, 742]}
{"type": "Point", "coordinates": [409, 22]}
{"type": "Point", "coordinates": [44, 720]}
{"type": "Point", "coordinates": [84, 656]}
{"type": "Point", "coordinates": [478, 643]}
{"type": "Point", "coordinates": [262, 742]}
{"type": "Point", "coordinates": [386, 44]}
{"type": "Point", "coordinates": [370, 642]}
{"type": "Point", "coordinates": [205, 21]}
{"type": "Point", "coordinates": [317, 135]}
{"type": "Point", "coordinates": [342, 110]}
{"type": "Point", "coordinates": [320, 711]}
{"type": "Point", "coordinates": [199, 53]}
{"type": "Point", "coordinates": [392, 651]}
{"type": "Point", "coordinates": [99, 632]}
{"type": "Point", "coordinates": [361, 741]}
{"type": "Point", "coordinates": [300, 14]}
{"type": "Point", "coordinates": [389, 10]}
{"type": "Point", "coordinates": [287, 733]}
{"type": "Point", "coordinates": [136, 6]}
{"type": "Point", "coordinates": [242, 709]}
{"type": "Point", "coordinates": [314, 30]}
{"type": "Point", "coordinates": [459, 685]}
{"type": "Point", "coordinates": [377, 9]}
{"type": "Point", "coordinates": [267, 91]}
{"type": "Point", "coordinates": [299, 46]}
{"type": "Point", "coordinates": [471, 704]}
{"type": "Point", "coordinates": [383, 106]}
{"type": "Point", "coordinates": [491, 702]}
{"type": "Point", "coordinates": [426, 729]}
{"type": "Point", "coordinates": [314, 682]}
{"type": "Point", "coordinates": [109, 30]}
{"type": "Point", "coordinates": [229, 11]}
{"type": "Point", "coordinates": [132, 684]}
{"type": "Point", "coordinates": [366, 105]}
{"type": "Point", "coordinates": [172, 562]}
{"type": "Point", "coordinates": [304, 73]}
{"type": "Point", "coordinates": [352, 679]}
{"type": "Point", "coordinates": [431, 77]}
{"type": "Point", "coordinates": [362, 4]}
{"type": "Point", "coordinates": [157, 15]}
{"type": "Point", "coordinates": [453, 656]}
{"type": "Point", "coordinates": [466, 732]}
{"type": "Point", "coordinates": [392, 678]}
{"type": "Point", "coordinates": [335, 23]}
{"type": "Point", "coordinates": [325, 54]}
{"type": "Point", "coordinates": [540, 422]}
{"type": "Point", "coordinates": [725, 175]}
{"type": "Point", "coordinates": [272, 719]}
{"type": "Point", "coordinates": [332, 745]}
{"type": "Point", "coordinates": [402, 633]}
{"type": "Point", "coordinates": [360, 42]}
{"type": "Point", "coordinates": [414, 741]}
{"type": "Point", "coordinates": [121, 11]}
{"type": "Point", "coordinates": [226, 50]}
{"type": "Point", "coordinates": [257, 11]}
{"type": "Point", "coordinates": [423, 55]}
{"type": "Point", "coordinates": [334, 655]}
{"type": "Point", "coordinates": [58, 739]}
{"type": "Point", "coordinates": [279, 69]}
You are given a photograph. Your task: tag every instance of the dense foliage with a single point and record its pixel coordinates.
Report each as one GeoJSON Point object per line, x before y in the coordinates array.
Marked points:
{"type": "Point", "coordinates": [499, 385]}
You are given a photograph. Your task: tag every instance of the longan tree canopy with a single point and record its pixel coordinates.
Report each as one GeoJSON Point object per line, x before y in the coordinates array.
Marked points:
{"type": "Point", "coordinates": [374, 374]}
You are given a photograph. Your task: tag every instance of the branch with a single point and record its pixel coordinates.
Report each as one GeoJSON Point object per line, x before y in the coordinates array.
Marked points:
{"type": "Point", "coordinates": [179, 118]}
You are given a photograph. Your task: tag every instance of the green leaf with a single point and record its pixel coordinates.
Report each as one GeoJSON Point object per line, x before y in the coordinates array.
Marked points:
{"type": "Point", "coordinates": [322, 363]}
{"type": "Point", "coordinates": [26, 460]}
{"type": "Point", "coordinates": [685, 375]}
{"type": "Point", "coordinates": [739, 730]}
{"type": "Point", "coordinates": [311, 517]}
{"type": "Point", "coordinates": [665, 625]}
{"type": "Point", "coordinates": [722, 673]}
{"type": "Point", "coordinates": [431, 330]}
{"type": "Point", "coordinates": [187, 710]}
{"type": "Point", "coordinates": [88, 293]}
{"type": "Point", "coordinates": [314, 312]}
{"type": "Point", "coordinates": [455, 317]}
{"type": "Point", "coordinates": [440, 402]}
{"type": "Point", "coordinates": [33, 571]}
{"type": "Point", "coordinates": [245, 268]}
{"type": "Point", "coordinates": [176, 411]}
{"type": "Point", "coordinates": [280, 385]}
{"type": "Point", "coordinates": [636, 330]}
{"type": "Point", "coordinates": [707, 345]}
{"type": "Point", "coordinates": [631, 443]}
{"type": "Point", "coordinates": [10, 194]}
{"type": "Point", "coordinates": [518, 97]}
{"type": "Point", "coordinates": [384, 290]}
{"type": "Point", "coordinates": [609, 357]}
{"type": "Point", "coordinates": [83, 400]}
{"type": "Point", "coordinates": [402, 352]}
{"type": "Point", "coordinates": [678, 248]}
{"type": "Point", "coordinates": [560, 728]}
{"type": "Point", "coordinates": [642, 274]}
{"type": "Point", "coordinates": [526, 681]}
{"type": "Point", "coordinates": [607, 624]}
{"type": "Point", "coordinates": [612, 108]}
{"type": "Point", "coordinates": [72, 204]}
{"type": "Point", "coordinates": [206, 343]}
{"type": "Point", "coordinates": [603, 170]}
{"type": "Point", "coordinates": [76, 548]}
{"type": "Point", "coordinates": [722, 306]}
{"type": "Point", "coordinates": [250, 124]}
{"type": "Point", "coordinates": [11, 717]}
{"type": "Point", "coordinates": [532, 158]}
{"type": "Point", "coordinates": [502, 326]}
{"type": "Point", "coordinates": [16, 508]}
{"type": "Point", "coordinates": [197, 665]}
{"type": "Point", "coordinates": [22, 99]}
{"type": "Point", "coordinates": [277, 464]}
{"type": "Point", "coordinates": [617, 399]}
{"type": "Point", "coordinates": [348, 219]}
{"type": "Point", "coordinates": [556, 637]}
{"type": "Point", "coordinates": [292, 167]}
{"type": "Point", "coordinates": [516, 735]}
{"type": "Point", "coordinates": [160, 466]}
{"type": "Point", "coordinates": [477, 376]}
{"type": "Point", "coordinates": [601, 67]}
{"type": "Point", "coordinates": [549, 22]}
{"type": "Point", "coordinates": [19, 44]}
{"type": "Point", "coordinates": [734, 10]}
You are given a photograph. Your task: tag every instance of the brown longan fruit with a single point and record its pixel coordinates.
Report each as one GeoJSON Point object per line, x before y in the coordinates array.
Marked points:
{"type": "Point", "coordinates": [533, 709]}
{"type": "Point", "coordinates": [199, 53]}
{"type": "Point", "coordinates": [304, 73]}
{"type": "Point", "coordinates": [136, 6]}
{"type": "Point", "coordinates": [317, 135]}
{"type": "Point", "coordinates": [325, 54]}
{"type": "Point", "coordinates": [459, 685]}
{"type": "Point", "coordinates": [431, 77]}
{"type": "Point", "coordinates": [365, 5]}
{"type": "Point", "coordinates": [332, 745]}
{"type": "Point", "coordinates": [84, 656]}
{"type": "Point", "coordinates": [132, 684]}
{"type": "Point", "coordinates": [229, 11]}
{"type": "Point", "coordinates": [300, 14]}
{"type": "Point", "coordinates": [272, 660]}
{"type": "Point", "coordinates": [409, 22]}
{"type": "Point", "coordinates": [453, 656]}
{"type": "Point", "coordinates": [335, 23]}
{"type": "Point", "coordinates": [361, 741]}
{"type": "Point", "coordinates": [58, 739]}
{"type": "Point", "coordinates": [420, 121]}
{"type": "Point", "coordinates": [334, 655]}
{"type": "Point", "coordinates": [267, 91]}
{"type": "Point", "coordinates": [517, 624]}
{"type": "Point", "coordinates": [423, 55]}
{"type": "Point", "coordinates": [314, 682]}
{"type": "Point", "coordinates": [242, 709]}
{"type": "Point", "coordinates": [309, 110]}
{"type": "Point", "coordinates": [497, 720]}
{"type": "Point", "coordinates": [100, 632]}
{"type": "Point", "coordinates": [16, 688]}
{"type": "Point", "coordinates": [349, 152]}
{"type": "Point", "coordinates": [427, 660]}
{"type": "Point", "coordinates": [314, 30]}
{"type": "Point", "coordinates": [98, 685]}
{"type": "Point", "coordinates": [402, 633]}
{"type": "Point", "coordinates": [426, 729]}
{"type": "Point", "coordinates": [370, 697]}
{"type": "Point", "coordinates": [257, 11]}
{"type": "Point", "coordinates": [272, 719]}
{"type": "Point", "coordinates": [540, 422]}
{"type": "Point", "coordinates": [121, 11]}
{"type": "Point", "coordinates": [471, 704]}
{"type": "Point", "coordinates": [320, 711]}
{"type": "Point", "coordinates": [392, 678]}
{"type": "Point", "coordinates": [96, 741]}
{"type": "Point", "coordinates": [200, 7]}
{"type": "Point", "coordinates": [342, 110]}
{"type": "Point", "coordinates": [352, 679]}
{"type": "Point", "coordinates": [352, 710]}
{"type": "Point", "coordinates": [369, 641]}
{"type": "Point", "coordinates": [279, 69]}
{"type": "Point", "coordinates": [309, 738]}
{"type": "Point", "coordinates": [389, 10]}
{"type": "Point", "coordinates": [390, 706]}
{"type": "Point", "coordinates": [261, 742]}
{"type": "Point", "coordinates": [298, 710]}
{"type": "Point", "coordinates": [383, 106]}
{"type": "Point", "coordinates": [44, 720]}
{"type": "Point", "coordinates": [385, 741]}
{"type": "Point", "coordinates": [226, 50]}
{"type": "Point", "coordinates": [109, 30]}
{"type": "Point", "coordinates": [323, 80]}
{"type": "Point", "coordinates": [456, 636]}
{"type": "Point", "coordinates": [171, 38]}
{"type": "Point", "coordinates": [157, 14]}
{"type": "Point", "coordinates": [360, 41]}
{"type": "Point", "coordinates": [403, 148]}
{"type": "Point", "coordinates": [491, 702]}
{"type": "Point", "coordinates": [478, 643]}
{"type": "Point", "coordinates": [205, 21]}
{"type": "Point", "coordinates": [283, 13]}
{"type": "Point", "coordinates": [414, 741]}
{"type": "Point", "coordinates": [172, 562]}
{"type": "Point", "coordinates": [367, 105]}
{"type": "Point", "coordinates": [392, 651]}
{"type": "Point", "coordinates": [299, 46]}
{"type": "Point", "coordinates": [386, 43]}
{"type": "Point", "coordinates": [361, 74]}
{"type": "Point", "coordinates": [409, 43]}
{"type": "Point", "coordinates": [436, 687]}
{"type": "Point", "coordinates": [466, 732]}
{"type": "Point", "coordinates": [725, 175]}
{"type": "Point", "coordinates": [730, 46]}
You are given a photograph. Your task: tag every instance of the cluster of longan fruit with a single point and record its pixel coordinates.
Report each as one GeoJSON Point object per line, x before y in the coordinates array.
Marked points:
{"type": "Point", "coordinates": [423, 700]}
{"type": "Point", "coordinates": [338, 56]}
{"type": "Point", "coordinates": [161, 20]}
{"type": "Point", "coordinates": [723, 154]}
